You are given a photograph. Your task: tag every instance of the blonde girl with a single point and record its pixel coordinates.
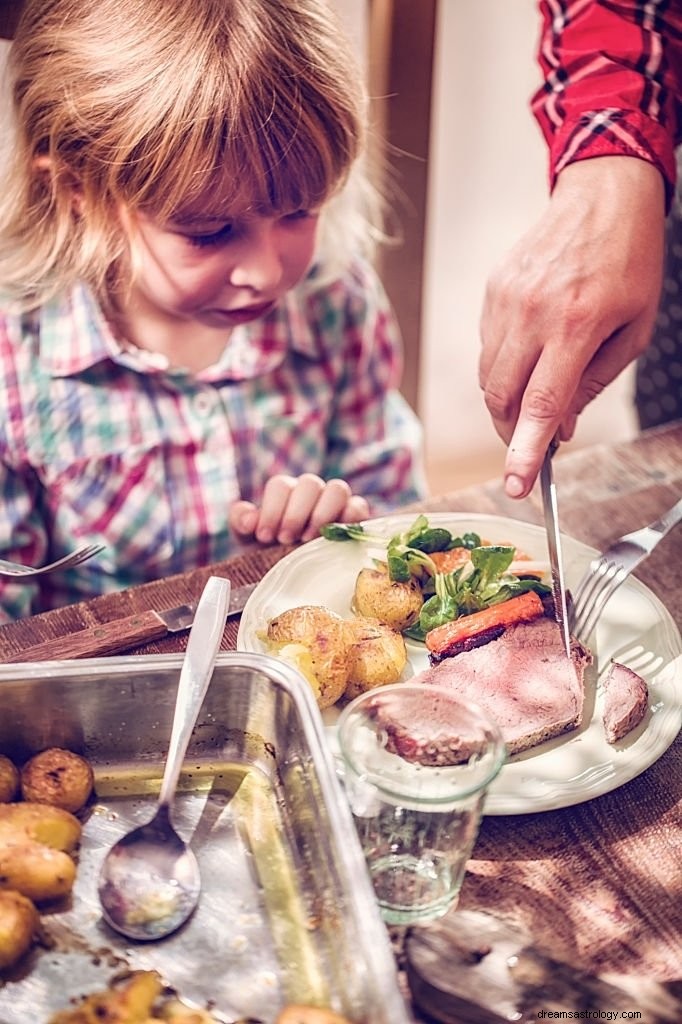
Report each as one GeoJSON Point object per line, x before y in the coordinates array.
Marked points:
{"type": "Point", "coordinates": [193, 348]}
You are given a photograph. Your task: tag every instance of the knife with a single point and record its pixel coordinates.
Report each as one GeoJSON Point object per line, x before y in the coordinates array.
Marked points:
{"type": "Point", "coordinates": [122, 634]}
{"type": "Point", "coordinates": [549, 504]}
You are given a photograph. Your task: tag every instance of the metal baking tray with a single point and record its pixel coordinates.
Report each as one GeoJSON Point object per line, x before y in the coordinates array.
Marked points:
{"type": "Point", "coordinates": [287, 912]}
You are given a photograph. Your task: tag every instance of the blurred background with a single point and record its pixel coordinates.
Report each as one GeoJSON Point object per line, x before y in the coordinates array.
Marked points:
{"type": "Point", "coordinates": [450, 82]}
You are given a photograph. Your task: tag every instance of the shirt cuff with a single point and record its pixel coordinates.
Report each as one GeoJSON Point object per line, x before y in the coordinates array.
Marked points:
{"type": "Point", "coordinates": [615, 133]}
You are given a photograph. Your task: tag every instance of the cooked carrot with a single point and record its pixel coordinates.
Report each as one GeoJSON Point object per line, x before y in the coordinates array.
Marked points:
{"type": "Point", "coordinates": [523, 608]}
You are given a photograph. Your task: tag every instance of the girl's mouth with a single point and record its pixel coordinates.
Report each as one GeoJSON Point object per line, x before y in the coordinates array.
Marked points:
{"type": "Point", "coordinates": [245, 314]}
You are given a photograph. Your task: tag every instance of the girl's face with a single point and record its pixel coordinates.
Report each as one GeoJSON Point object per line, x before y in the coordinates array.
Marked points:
{"type": "Point", "coordinates": [219, 271]}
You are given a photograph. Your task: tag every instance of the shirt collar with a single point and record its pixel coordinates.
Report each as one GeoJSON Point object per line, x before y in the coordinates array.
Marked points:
{"type": "Point", "coordinates": [75, 336]}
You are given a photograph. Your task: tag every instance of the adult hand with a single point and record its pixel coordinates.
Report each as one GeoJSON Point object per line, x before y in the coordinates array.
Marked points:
{"type": "Point", "coordinates": [294, 508]}
{"type": "Point", "coordinates": [571, 305]}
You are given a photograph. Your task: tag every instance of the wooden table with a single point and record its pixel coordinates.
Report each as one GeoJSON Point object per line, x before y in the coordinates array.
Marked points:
{"type": "Point", "coordinates": [600, 883]}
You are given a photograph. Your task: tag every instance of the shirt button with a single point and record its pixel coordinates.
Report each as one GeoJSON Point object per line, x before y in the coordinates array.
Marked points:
{"type": "Point", "coordinates": [204, 403]}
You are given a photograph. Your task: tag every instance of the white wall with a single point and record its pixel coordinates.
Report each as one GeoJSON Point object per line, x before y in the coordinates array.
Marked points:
{"type": "Point", "coordinates": [353, 14]}
{"type": "Point", "coordinates": [487, 184]}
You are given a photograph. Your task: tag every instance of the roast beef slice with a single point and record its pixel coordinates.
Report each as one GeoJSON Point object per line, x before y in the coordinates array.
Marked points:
{"type": "Point", "coordinates": [626, 696]}
{"type": "Point", "coordinates": [522, 680]}
{"type": "Point", "coordinates": [418, 727]}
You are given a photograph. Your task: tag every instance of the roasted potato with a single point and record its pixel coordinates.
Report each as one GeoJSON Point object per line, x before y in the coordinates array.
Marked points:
{"type": "Point", "coordinates": [300, 657]}
{"type": "Point", "coordinates": [35, 870]}
{"type": "Point", "coordinates": [176, 1012]}
{"type": "Point", "coordinates": [135, 999]}
{"type": "Point", "coordinates": [18, 925]}
{"type": "Point", "coordinates": [309, 1015]}
{"type": "Point", "coordinates": [58, 777]}
{"type": "Point", "coordinates": [326, 636]}
{"type": "Point", "coordinates": [377, 656]}
{"type": "Point", "coordinates": [43, 823]}
{"type": "Point", "coordinates": [9, 780]}
{"type": "Point", "coordinates": [376, 596]}
{"type": "Point", "coordinates": [129, 1001]}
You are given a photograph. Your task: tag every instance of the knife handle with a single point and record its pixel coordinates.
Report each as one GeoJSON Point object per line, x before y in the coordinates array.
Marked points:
{"type": "Point", "coordinates": [97, 641]}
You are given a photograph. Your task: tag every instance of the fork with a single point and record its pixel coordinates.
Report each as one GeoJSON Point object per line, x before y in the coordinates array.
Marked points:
{"type": "Point", "coordinates": [606, 572]}
{"type": "Point", "coordinates": [14, 570]}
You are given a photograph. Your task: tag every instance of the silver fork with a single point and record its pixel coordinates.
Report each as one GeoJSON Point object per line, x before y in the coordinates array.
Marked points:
{"type": "Point", "coordinates": [606, 572]}
{"type": "Point", "coordinates": [14, 570]}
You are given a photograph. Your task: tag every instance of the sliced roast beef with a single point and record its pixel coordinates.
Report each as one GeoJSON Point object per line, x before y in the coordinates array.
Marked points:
{"type": "Point", "coordinates": [523, 680]}
{"type": "Point", "coordinates": [419, 728]}
{"type": "Point", "coordinates": [626, 696]}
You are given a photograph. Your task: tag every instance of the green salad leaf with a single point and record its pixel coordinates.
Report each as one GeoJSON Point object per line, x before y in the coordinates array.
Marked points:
{"type": "Point", "coordinates": [406, 553]}
{"type": "Point", "coordinates": [479, 583]}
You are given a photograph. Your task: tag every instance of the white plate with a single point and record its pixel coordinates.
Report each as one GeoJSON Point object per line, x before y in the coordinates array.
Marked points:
{"type": "Point", "coordinates": [635, 629]}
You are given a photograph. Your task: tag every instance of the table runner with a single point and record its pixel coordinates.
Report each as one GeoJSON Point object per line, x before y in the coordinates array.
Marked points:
{"type": "Point", "coordinates": [599, 883]}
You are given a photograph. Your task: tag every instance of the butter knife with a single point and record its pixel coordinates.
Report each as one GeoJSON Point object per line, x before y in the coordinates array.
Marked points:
{"type": "Point", "coordinates": [550, 507]}
{"type": "Point", "coordinates": [121, 634]}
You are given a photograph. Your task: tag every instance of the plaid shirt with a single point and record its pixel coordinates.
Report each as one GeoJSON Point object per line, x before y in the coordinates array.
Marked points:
{"type": "Point", "coordinates": [613, 81]}
{"type": "Point", "coordinates": [102, 443]}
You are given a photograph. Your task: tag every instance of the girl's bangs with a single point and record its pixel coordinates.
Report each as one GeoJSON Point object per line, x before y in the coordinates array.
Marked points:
{"type": "Point", "coordinates": [277, 124]}
{"type": "Point", "coordinates": [275, 172]}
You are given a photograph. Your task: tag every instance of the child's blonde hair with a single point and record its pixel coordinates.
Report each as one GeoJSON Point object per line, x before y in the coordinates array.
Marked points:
{"type": "Point", "coordinates": [139, 103]}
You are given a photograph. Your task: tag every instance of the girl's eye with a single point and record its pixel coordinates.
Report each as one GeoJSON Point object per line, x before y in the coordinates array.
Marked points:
{"type": "Point", "coordinates": [225, 234]}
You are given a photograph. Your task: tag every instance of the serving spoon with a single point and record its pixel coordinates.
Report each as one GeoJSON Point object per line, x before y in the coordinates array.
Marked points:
{"type": "Point", "coordinates": [149, 882]}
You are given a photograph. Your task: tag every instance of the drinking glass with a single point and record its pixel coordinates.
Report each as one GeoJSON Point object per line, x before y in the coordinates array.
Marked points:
{"type": "Point", "coordinates": [417, 763]}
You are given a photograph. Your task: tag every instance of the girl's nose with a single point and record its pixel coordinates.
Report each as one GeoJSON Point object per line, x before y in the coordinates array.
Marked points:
{"type": "Point", "coordinates": [258, 263]}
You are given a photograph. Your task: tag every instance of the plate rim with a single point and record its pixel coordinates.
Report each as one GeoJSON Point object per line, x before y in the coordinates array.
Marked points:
{"type": "Point", "coordinates": [663, 725]}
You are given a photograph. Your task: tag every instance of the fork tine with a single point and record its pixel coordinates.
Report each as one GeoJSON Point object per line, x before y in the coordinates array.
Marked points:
{"type": "Point", "coordinates": [604, 583]}
{"type": "Point", "coordinates": [582, 591]}
{"type": "Point", "coordinates": [584, 628]}
{"type": "Point", "coordinates": [591, 597]}
{"type": "Point", "coordinates": [76, 557]}
{"type": "Point", "coordinates": [607, 571]}
{"type": "Point", "coordinates": [10, 570]}
{"type": "Point", "coordinates": [85, 553]}
{"type": "Point", "coordinates": [62, 563]}
{"type": "Point", "coordinates": [585, 591]}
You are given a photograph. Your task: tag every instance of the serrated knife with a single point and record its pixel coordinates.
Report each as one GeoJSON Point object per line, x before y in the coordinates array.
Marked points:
{"type": "Point", "coordinates": [121, 634]}
{"type": "Point", "coordinates": [550, 508]}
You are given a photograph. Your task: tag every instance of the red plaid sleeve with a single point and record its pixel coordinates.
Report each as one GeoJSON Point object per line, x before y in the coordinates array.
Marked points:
{"type": "Point", "coordinates": [612, 81]}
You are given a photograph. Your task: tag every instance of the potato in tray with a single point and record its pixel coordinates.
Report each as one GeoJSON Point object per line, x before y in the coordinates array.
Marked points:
{"type": "Point", "coordinates": [286, 919]}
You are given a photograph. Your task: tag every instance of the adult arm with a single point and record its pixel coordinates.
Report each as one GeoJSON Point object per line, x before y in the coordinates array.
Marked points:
{"type": "Point", "coordinates": [574, 301]}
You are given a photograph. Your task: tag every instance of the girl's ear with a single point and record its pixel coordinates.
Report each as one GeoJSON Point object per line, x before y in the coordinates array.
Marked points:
{"type": "Point", "coordinates": [45, 165]}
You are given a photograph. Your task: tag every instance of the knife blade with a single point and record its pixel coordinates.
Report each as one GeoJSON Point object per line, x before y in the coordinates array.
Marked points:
{"type": "Point", "coordinates": [551, 511]}
{"type": "Point", "coordinates": [109, 638]}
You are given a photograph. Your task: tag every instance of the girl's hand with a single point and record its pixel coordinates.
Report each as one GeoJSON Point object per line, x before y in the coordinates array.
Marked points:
{"type": "Point", "coordinates": [294, 508]}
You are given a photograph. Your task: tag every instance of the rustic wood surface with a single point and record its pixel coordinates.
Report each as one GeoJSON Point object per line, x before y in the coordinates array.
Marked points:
{"type": "Point", "coordinates": [598, 884]}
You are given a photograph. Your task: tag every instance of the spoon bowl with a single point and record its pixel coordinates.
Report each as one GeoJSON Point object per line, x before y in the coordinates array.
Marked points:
{"type": "Point", "coordinates": [149, 883]}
